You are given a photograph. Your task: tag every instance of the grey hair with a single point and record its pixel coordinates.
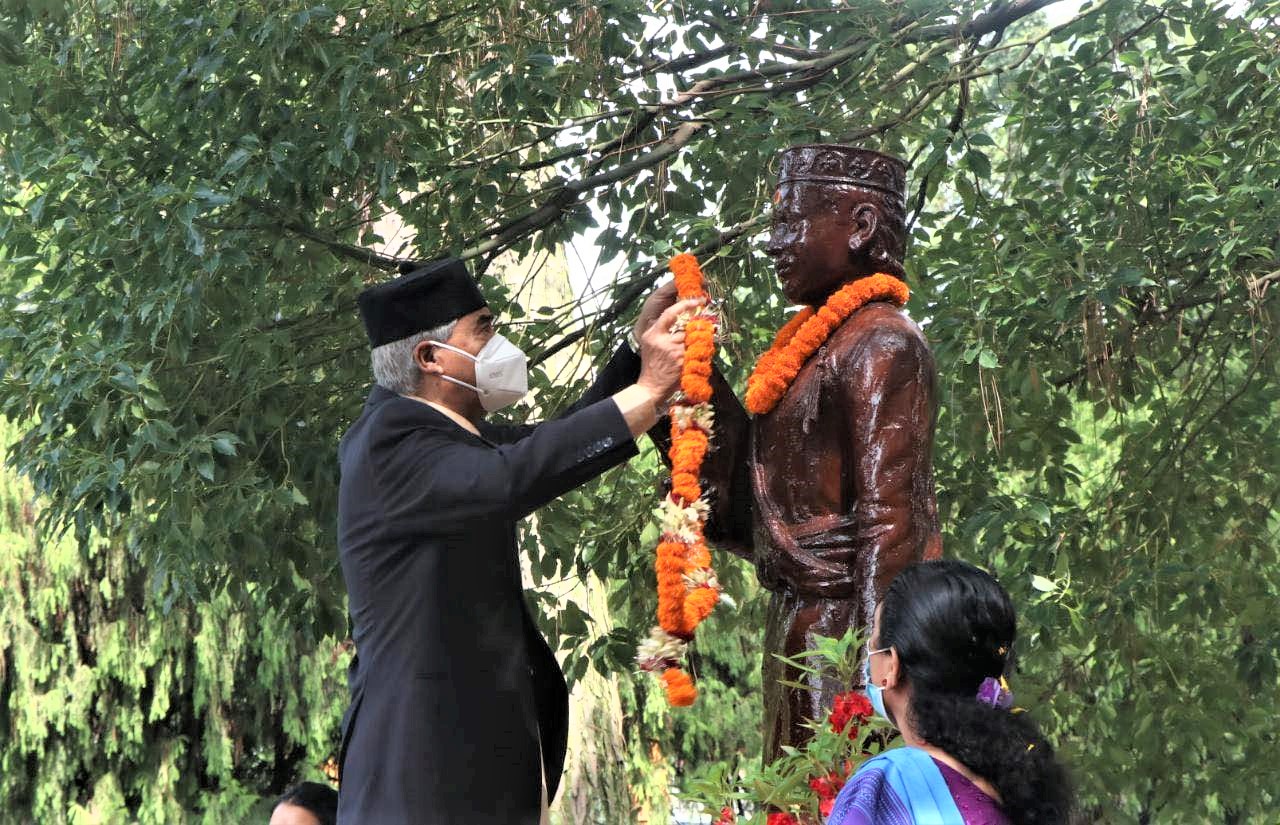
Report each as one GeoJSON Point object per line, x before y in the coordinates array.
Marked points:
{"type": "Point", "coordinates": [393, 364]}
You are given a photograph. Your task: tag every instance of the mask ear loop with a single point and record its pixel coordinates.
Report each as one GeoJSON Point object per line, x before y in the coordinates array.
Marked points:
{"type": "Point", "coordinates": [452, 348]}
{"type": "Point", "coordinates": [477, 390]}
{"type": "Point", "coordinates": [465, 354]}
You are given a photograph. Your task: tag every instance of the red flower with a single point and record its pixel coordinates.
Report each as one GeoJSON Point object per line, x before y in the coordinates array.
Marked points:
{"type": "Point", "coordinates": [726, 816]}
{"type": "Point", "coordinates": [782, 819]}
{"type": "Point", "coordinates": [827, 789]}
{"type": "Point", "coordinates": [852, 706]}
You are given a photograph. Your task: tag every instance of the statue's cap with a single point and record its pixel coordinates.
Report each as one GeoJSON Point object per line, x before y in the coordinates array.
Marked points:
{"type": "Point", "coordinates": [833, 163]}
{"type": "Point", "coordinates": [426, 296]}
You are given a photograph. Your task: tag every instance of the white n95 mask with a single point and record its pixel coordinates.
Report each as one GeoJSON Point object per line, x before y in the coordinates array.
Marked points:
{"type": "Point", "coordinates": [502, 373]}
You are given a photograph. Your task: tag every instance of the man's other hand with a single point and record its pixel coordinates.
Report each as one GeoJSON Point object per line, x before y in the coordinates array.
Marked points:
{"type": "Point", "coordinates": [662, 352]}
{"type": "Point", "coordinates": [657, 303]}
{"type": "Point", "coordinates": [661, 359]}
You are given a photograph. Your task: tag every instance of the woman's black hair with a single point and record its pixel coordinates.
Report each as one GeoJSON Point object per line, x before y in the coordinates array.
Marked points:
{"type": "Point", "coordinates": [953, 626]}
{"type": "Point", "coordinates": [315, 797]}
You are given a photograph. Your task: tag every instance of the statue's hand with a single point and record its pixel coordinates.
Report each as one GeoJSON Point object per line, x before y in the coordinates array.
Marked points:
{"type": "Point", "coordinates": [657, 303]}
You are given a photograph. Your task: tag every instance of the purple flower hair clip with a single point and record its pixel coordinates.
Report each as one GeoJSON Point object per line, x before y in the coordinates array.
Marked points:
{"type": "Point", "coordinates": [995, 692]}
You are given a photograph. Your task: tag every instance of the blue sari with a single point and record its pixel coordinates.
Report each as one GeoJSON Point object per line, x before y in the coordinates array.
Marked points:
{"type": "Point", "coordinates": [902, 786]}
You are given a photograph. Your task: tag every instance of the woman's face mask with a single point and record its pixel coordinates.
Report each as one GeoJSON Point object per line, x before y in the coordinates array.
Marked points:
{"type": "Point", "coordinates": [502, 373]}
{"type": "Point", "coordinates": [874, 692]}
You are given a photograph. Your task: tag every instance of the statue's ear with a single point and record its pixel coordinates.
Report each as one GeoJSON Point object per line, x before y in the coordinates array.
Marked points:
{"type": "Point", "coordinates": [866, 220]}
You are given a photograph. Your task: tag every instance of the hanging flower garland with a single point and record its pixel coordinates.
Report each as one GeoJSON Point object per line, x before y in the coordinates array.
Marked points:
{"type": "Point", "coordinates": [687, 587]}
{"type": "Point", "coordinates": [800, 337]}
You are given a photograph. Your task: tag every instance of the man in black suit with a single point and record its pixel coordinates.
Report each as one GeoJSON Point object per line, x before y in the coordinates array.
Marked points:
{"type": "Point", "coordinates": [459, 710]}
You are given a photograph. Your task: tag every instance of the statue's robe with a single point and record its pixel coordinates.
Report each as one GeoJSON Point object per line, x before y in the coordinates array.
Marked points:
{"type": "Point", "coordinates": [830, 494]}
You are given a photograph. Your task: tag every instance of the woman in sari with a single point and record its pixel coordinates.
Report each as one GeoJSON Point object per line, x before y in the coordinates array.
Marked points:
{"type": "Point", "coordinates": [935, 668]}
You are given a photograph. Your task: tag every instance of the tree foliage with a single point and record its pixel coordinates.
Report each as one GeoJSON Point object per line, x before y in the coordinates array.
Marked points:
{"type": "Point", "coordinates": [1110, 351]}
{"type": "Point", "coordinates": [114, 709]}
{"type": "Point", "coordinates": [192, 191]}
{"type": "Point", "coordinates": [188, 193]}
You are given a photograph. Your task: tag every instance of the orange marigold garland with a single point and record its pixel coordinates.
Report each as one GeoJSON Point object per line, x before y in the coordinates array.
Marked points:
{"type": "Point", "coordinates": [680, 689]}
{"type": "Point", "coordinates": [687, 587]}
{"type": "Point", "coordinates": [800, 337]}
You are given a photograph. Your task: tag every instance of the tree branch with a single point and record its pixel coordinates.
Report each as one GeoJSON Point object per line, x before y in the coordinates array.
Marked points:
{"type": "Point", "coordinates": [1257, 284]}
{"type": "Point", "coordinates": [1154, 317]}
{"type": "Point", "coordinates": [343, 250]}
{"type": "Point", "coordinates": [436, 21]}
{"type": "Point", "coordinates": [1216, 415]}
{"type": "Point", "coordinates": [680, 64]}
{"type": "Point", "coordinates": [560, 197]}
{"type": "Point", "coordinates": [567, 194]}
{"type": "Point", "coordinates": [638, 284]}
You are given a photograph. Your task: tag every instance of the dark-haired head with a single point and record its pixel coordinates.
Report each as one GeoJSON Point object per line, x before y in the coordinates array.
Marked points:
{"type": "Point", "coordinates": [307, 803]}
{"type": "Point", "coordinates": [946, 627]}
{"type": "Point", "coordinates": [951, 624]}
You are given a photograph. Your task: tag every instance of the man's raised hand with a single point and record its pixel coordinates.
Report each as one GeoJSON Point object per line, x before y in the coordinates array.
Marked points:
{"type": "Point", "coordinates": [658, 302]}
{"type": "Point", "coordinates": [662, 352]}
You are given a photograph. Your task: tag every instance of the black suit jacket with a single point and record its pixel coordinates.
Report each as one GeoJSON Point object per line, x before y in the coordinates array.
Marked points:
{"type": "Point", "coordinates": [453, 689]}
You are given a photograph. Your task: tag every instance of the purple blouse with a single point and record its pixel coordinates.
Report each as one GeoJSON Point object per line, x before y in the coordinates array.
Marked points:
{"type": "Point", "coordinates": [975, 806]}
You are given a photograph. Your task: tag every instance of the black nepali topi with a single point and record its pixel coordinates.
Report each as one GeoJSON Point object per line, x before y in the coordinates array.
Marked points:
{"type": "Point", "coordinates": [429, 296]}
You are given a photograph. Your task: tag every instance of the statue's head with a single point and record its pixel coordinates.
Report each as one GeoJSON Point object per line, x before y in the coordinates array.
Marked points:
{"type": "Point", "coordinates": [839, 214]}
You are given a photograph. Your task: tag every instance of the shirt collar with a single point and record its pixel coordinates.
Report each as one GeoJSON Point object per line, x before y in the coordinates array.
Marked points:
{"type": "Point", "coordinates": [460, 420]}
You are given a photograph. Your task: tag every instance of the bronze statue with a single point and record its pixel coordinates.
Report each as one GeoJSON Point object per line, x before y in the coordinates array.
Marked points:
{"type": "Point", "coordinates": [831, 492]}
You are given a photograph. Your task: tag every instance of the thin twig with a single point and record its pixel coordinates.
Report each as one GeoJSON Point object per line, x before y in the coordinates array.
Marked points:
{"type": "Point", "coordinates": [641, 282]}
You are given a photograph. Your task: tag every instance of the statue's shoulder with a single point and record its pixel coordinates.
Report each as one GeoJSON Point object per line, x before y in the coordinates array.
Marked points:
{"type": "Point", "coordinates": [877, 328]}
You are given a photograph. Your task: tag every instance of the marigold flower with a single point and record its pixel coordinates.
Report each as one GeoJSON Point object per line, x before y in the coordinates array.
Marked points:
{"type": "Point", "coordinates": [671, 566]}
{"type": "Point", "coordinates": [680, 689]}
{"type": "Point", "coordinates": [685, 486]}
{"type": "Point", "coordinates": [687, 587]}
{"type": "Point", "coordinates": [688, 449]}
{"type": "Point", "coordinates": [688, 276]}
{"type": "Point", "coordinates": [699, 348]}
{"type": "Point", "coordinates": [697, 555]}
{"type": "Point", "coordinates": [698, 604]}
{"type": "Point", "coordinates": [801, 337]}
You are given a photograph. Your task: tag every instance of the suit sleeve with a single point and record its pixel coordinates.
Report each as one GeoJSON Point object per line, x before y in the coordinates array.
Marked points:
{"type": "Point", "coordinates": [890, 428]}
{"type": "Point", "coordinates": [622, 370]}
{"type": "Point", "coordinates": [432, 471]}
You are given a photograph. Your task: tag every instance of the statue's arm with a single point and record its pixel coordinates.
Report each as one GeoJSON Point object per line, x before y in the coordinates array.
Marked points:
{"type": "Point", "coordinates": [725, 481]}
{"type": "Point", "coordinates": [891, 398]}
